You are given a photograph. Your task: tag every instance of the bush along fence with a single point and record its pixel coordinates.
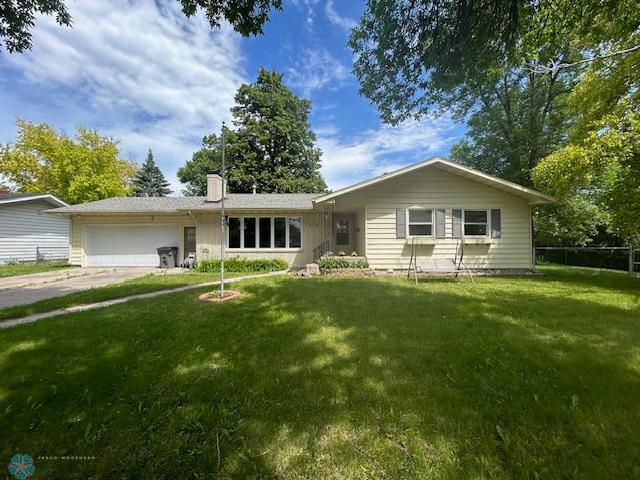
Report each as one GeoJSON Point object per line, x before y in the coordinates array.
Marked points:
{"type": "Point", "coordinates": [242, 265]}
{"type": "Point", "coordinates": [616, 258]}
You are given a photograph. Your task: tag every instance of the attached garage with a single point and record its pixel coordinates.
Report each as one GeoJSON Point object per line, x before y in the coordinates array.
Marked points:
{"type": "Point", "coordinates": [127, 245]}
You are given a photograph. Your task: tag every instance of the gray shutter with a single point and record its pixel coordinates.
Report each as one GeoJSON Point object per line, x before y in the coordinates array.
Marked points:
{"type": "Point", "coordinates": [456, 230]}
{"type": "Point", "coordinates": [401, 220]}
{"type": "Point", "coordinates": [496, 225]}
{"type": "Point", "coordinates": [440, 223]}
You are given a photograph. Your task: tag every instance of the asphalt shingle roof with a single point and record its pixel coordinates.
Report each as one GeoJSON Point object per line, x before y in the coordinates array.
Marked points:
{"type": "Point", "coordinates": [234, 201]}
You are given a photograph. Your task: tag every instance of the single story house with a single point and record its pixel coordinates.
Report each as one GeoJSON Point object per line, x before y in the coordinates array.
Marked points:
{"type": "Point", "coordinates": [26, 233]}
{"type": "Point", "coordinates": [436, 201]}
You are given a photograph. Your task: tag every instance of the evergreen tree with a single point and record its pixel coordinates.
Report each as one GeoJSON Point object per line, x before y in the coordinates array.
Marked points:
{"type": "Point", "coordinates": [272, 145]}
{"type": "Point", "coordinates": [149, 180]}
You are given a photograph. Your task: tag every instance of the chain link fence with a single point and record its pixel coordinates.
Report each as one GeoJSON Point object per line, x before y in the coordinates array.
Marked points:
{"type": "Point", "coordinates": [615, 258]}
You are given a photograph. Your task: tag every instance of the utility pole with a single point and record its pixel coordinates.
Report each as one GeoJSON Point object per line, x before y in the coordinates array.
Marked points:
{"type": "Point", "coordinates": [223, 236]}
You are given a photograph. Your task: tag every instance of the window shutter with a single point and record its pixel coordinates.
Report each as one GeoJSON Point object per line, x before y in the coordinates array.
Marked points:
{"type": "Point", "coordinates": [496, 226]}
{"type": "Point", "coordinates": [401, 220]}
{"type": "Point", "coordinates": [457, 222]}
{"type": "Point", "coordinates": [440, 223]}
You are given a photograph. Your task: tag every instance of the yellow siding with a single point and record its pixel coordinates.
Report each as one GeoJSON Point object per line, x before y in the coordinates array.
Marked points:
{"type": "Point", "coordinates": [207, 234]}
{"type": "Point", "coordinates": [433, 188]}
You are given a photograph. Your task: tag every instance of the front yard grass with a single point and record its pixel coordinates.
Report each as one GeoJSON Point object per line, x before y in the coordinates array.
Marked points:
{"type": "Point", "coordinates": [535, 377]}
{"type": "Point", "coordinates": [135, 286]}
{"type": "Point", "coordinates": [25, 268]}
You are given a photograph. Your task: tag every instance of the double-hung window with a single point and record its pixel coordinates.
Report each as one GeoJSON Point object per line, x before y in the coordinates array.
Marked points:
{"type": "Point", "coordinates": [264, 232]}
{"type": "Point", "coordinates": [420, 222]}
{"type": "Point", "coordinates": [475, 223]}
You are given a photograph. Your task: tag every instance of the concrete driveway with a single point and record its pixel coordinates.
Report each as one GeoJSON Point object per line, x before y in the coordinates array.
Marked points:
{"type": "Point", "coordinates": [25, 289]}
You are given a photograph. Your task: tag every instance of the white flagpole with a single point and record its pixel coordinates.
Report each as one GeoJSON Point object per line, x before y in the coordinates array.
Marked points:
{"type": "Point", "coordinates": [223, 237]}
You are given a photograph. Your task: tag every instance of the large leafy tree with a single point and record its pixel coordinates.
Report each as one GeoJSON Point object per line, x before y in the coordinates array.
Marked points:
{"type": "Point", "coordinates": [17, 17]}
{"type": "Point", "coordinates": [413, 57]}
{"type": "Point", "coordinates": [194, 173]}
{"type": "Point", "coordinates": [507, 67]}
{"type": "Point", "coordinates": [271, 145]}
{"type": "Point", "coordinates": [602, 155]}
{"type": "Point", "coordinates": [519, 120]}
{"type": "Point", "coordinates": [78, 169]}
{"type": "Point", "coordinates": [149, 180]}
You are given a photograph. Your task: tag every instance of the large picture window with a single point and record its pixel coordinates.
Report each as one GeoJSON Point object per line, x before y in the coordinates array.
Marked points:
{"type": "Point", "coordinates": [264, 232]}
{"type": "Point", "coordinates": [295, 232]}
{"type": "Point", "coordinates": [475, 223]}
{"type": "Point", "coordinates": [234, 232]}
{"type": "Point", "coordinates": [279, 232]}
{"type": "Point", "coordinates": [420, 222]}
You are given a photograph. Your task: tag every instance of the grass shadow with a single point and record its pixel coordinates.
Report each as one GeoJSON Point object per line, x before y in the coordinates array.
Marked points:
{"type": "Point", "coordinates": [334, 378]}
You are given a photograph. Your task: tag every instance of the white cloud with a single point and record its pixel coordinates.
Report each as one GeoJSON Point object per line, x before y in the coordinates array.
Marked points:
{"type": "Point", "coordinates": [336, 19]}
{"type": "Point", "coordinates": [310, 7]}
{"type": "Point", "coordinates": [143, 71]}
{"type": "Point", "coordinates": [347, 161]}
{"type": "Point", "coordinates": [315, 69]}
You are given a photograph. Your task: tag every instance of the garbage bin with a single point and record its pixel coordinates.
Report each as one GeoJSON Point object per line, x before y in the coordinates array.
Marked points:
{"type": "Point", "coordinates": [168, 256]}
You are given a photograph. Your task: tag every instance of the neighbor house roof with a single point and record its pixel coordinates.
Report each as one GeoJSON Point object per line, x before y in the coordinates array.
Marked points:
{"type": "Point", "coordinates": [533, 196]}
{"type": "Point", "coordinates": [27, 197]}
{"type": "Point", "coordinates": [233, 201]}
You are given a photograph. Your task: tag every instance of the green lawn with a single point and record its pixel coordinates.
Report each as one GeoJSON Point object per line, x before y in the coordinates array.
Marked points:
{"type": "Point", "coordinates": [13, 269]}
{"type": "Point", "coordinates": [337, 378]}
{"type": "Point", "coordinates": [148, 283]}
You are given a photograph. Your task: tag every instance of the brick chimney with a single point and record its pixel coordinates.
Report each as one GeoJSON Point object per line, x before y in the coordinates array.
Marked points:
{"type": "Point", "coordinates": [214, 187]}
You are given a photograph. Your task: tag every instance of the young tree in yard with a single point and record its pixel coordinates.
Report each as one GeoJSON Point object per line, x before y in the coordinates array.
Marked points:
{"type": "Point", "coordinates": [17, 17]}
{"type": "Point", "coordinates": [272, 146]}
{"type": "Point", "coordinates": [84, 168]}
{"type": "Point", "coordinates": [149, 180]}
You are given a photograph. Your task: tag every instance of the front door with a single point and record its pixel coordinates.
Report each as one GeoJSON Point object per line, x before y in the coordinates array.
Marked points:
{"type": "Point", "coordinates": [189, 241]}
{"type": "Point", "coordinates": [343, 233]}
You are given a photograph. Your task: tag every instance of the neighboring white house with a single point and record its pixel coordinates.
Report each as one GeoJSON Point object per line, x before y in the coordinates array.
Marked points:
{"type": "Point", "coordinates": [441, 203]}
{"type": "Point", "coordinates": [26, 231]}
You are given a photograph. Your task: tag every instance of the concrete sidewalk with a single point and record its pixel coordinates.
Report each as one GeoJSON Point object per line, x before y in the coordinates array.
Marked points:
{"type": "Point", "coordinates": [92, 306]}
{"type": "Point", "coordinates": [41, 287]}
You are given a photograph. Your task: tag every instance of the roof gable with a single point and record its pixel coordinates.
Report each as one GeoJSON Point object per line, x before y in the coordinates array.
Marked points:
{"type": "Point", "coordinates": [532, 196]}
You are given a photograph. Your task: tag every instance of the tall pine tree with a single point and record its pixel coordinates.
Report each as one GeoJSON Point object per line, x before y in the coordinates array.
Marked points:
{"type": "Point", "coordinates": [149, 180]}
{"type": "Point", "coordinates": [272, 145]}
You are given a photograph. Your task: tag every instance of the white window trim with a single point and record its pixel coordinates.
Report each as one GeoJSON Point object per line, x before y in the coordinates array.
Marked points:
{"type": "Point", "coordinates": [272, 248]}
{"type": "Point", "coordinates": [488, 223]}
{"type": "Point", "coordinates": [420, 223]}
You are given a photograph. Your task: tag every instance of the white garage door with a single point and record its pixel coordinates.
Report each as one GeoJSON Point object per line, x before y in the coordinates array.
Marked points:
{"type": "Point", "coordinates": [128, 246]}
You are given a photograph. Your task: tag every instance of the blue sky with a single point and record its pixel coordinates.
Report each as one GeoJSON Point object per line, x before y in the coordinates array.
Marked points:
{"type": "Point", "coordinates": [141, 72]}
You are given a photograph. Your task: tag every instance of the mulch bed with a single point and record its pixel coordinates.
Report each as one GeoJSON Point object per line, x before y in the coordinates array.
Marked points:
{"type": "Point", "coordinates": [215, 296]}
